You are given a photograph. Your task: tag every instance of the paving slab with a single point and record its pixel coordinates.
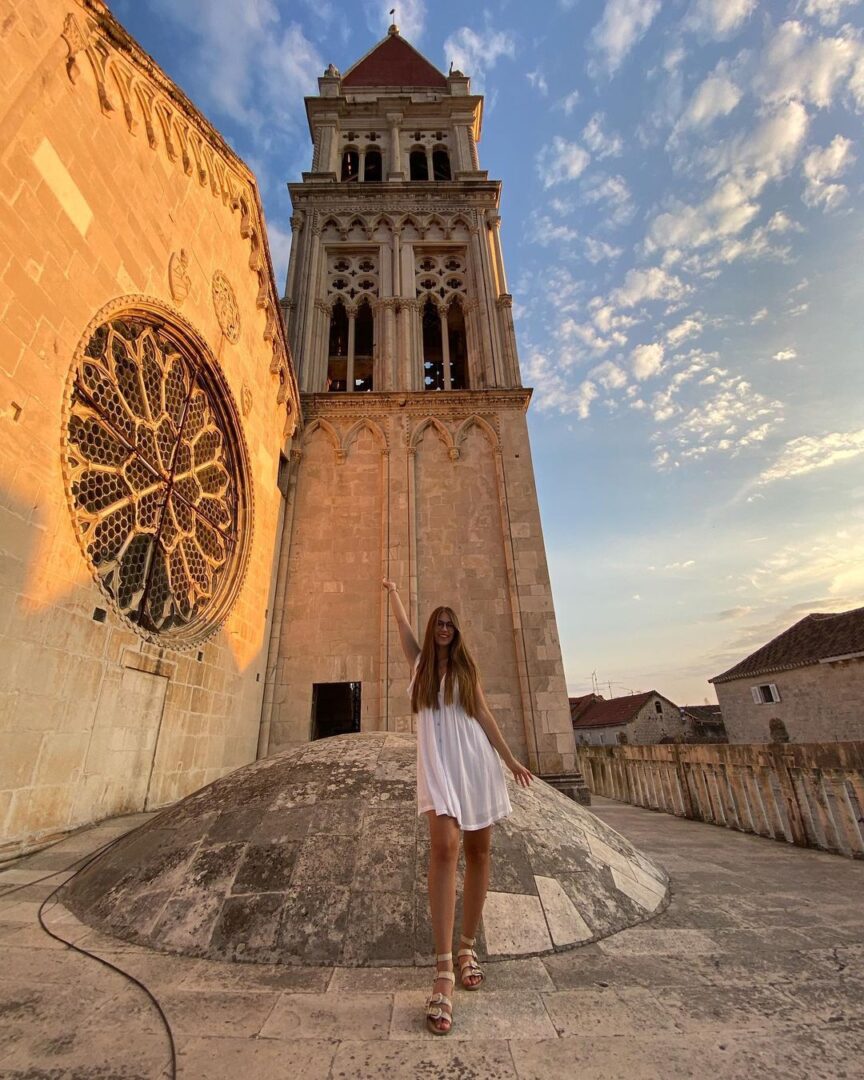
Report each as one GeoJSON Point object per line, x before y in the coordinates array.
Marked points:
{"type": "Point", "coordinates": [436, 1059]}
{"type": "Point", "coordinates": [756, 968]}
{"type": "Point", "coordinates": [255, 1059]}
{"type": "Point", "coordinates": [329, 1016]}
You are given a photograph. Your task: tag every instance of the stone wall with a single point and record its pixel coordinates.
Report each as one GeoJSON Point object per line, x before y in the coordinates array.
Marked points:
{"type": "Point", "coordinates": [112, 187]}
{"type": "Point", "coordinates": [818, 703]}
{"type": "Point", "coordinates": [438, 494]}
{"type": "Point", "coordinates": [807, 794]}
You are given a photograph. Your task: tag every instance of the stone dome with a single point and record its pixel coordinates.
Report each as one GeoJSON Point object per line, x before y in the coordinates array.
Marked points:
{"type": "Point", "coordinates": [317, 856]}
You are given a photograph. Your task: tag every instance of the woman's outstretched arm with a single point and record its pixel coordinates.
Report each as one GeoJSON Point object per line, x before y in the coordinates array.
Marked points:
{"type": "Point", "coordinates": [410, 645]}
{"type": "Point", "coordinates": [487, 721]}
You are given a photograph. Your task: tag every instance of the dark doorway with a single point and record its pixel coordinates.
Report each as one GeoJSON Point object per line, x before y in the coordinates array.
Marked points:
{"type": "Point", "coordinates": [335, 709]}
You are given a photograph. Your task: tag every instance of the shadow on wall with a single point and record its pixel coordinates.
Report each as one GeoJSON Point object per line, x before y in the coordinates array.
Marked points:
{"type": "Point", "coordinates": [95, 721]}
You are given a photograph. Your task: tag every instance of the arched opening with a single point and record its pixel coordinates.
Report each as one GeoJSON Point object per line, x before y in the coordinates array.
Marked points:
{"type": "Point", "coordinates": [364, 348]}
{"type": "Point", "coordinates": [441, 165]}
{"type": "Point", "coordinates": [419, 165]}
{"type": "Point", "coordinates": [337, 352]}
{"type": "Point", "coordinates": [433, 348]}
{"type": "Point", "coordinates": [372, 171]}
{"type": "Point", "coordinates": [350, 165]}
{"type": "Point", "coordinates": [458, 348]}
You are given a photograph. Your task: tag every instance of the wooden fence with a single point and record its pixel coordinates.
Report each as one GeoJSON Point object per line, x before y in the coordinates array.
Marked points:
{"type": "Point", "coordinates": [810, 794]}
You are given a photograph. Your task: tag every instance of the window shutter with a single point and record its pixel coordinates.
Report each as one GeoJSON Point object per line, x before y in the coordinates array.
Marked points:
{"type": "Point", "coordinates": [757, 697]}
{"type": "Point", "coordinates": [775, 693]}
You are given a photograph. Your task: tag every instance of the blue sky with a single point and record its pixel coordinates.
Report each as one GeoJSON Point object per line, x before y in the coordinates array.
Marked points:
{"type": "Point", "coordinates": [683, 235]}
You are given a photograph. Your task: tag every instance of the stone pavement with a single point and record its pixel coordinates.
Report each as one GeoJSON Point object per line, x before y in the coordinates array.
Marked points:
{"type": "Point", "coordinates": [755, 969]}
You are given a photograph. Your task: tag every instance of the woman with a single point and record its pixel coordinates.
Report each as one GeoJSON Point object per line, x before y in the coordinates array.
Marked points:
{"type": "Point", "coordinates": [460, 786]}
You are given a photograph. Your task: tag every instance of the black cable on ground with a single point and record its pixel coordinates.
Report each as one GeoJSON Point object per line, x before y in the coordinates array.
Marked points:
{"type": "Point", "coordinates": [84, 952]}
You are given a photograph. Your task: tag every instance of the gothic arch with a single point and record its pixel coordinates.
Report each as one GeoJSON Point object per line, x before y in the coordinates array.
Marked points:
{"type": "Point", "coordinates": [442, 432]}
{"type": "Point", "coordinates": [483, 426]}
{"type": "Point", "coordinates": [355, 429]}
{"type": "Point", "coordinates": [320, 424]}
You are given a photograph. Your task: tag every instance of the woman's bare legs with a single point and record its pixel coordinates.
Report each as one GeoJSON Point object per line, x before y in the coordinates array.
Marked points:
{"type": "Point", "coordinates": [444, 851]}
{"type": "Point", "coordinates": [477, 845]}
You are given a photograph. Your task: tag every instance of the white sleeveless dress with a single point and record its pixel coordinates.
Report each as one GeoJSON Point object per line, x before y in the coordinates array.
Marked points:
{"type": "Point", "coordinates": [459, 773]}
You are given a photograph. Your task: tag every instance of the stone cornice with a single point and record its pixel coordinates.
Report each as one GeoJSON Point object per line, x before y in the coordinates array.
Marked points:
{"type": "Point", "coordinates": [130, 83]}
{"type": "Point", "coordinates": [455, 404]}
{"type": "Point", "coordinates": [440, 195]}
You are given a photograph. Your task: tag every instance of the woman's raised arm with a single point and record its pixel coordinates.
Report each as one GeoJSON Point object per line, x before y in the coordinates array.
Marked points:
{"type": "Point", "coordinates": [410, 645]}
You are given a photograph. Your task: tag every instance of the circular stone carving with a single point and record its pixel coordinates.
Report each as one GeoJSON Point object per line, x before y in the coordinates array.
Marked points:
{"type": "Point", "coordinates": [156, 473]}
{"type": "Point", "coordinates": [225, 303]}
{"type": "Point", "coordinates": [317, 856]}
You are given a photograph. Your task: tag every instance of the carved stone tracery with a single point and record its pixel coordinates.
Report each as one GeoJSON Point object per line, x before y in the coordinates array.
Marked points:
{"type": "Point", "coordinates": [156, 474]}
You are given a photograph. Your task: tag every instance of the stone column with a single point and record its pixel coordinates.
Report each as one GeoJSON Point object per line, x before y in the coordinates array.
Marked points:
{"type": "Point", "coordinates": [288, 302]}
{"type": "Point", "coordinates": [493, 222]}
{"type": "Point", "coordinates": [445, 348]}
{"type": "Point", "coordinates": [395, 172]}
{"type": "Point", "coordinates": [481, 279]}
{"type": "Point", "coordinates": [352, 329]}
{"type": "Point", "coordinates": [504, 304]}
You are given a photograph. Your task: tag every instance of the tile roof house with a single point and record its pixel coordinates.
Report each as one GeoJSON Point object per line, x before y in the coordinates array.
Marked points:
{"type": "Point", "coordinates": [648, 717]}
{"type": "Point", "coordinates": [805, 685]}
{"type": "Point", "coordinates": [704, 723]}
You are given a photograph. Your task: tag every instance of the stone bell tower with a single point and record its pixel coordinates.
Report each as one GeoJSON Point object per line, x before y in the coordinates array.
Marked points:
{"type": "Point", "coordinates": [413, 462]}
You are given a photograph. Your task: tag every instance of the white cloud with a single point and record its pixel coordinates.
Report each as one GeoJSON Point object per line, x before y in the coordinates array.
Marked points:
{"type": "Point", "coordinates": [785, 354]}
{"type": "Point", "coordinates": [725, 212]}
{"type": "Point", "coordinates": [766, 152]}
{"type": "Point", "coordinates": [569, 103]}
{"type": "Point", "coordinates": [538, 81]}
{"type": "Point", "coordinates": [475, 53]}
{"type": "Point", "coordinates": [598, 141]}
{"type": "Point", "coordinates": [655, 283]}
{"type": "Point", "coordinates": [544, 231]}
{"type": "Point", "coordinates": [734, 417]}
{"type": "Point", "coordinates": [796, 66]}
{"type": "Point", "coordinates": [647, 360]}
{"type": "Point", "coordinates": [822, 166]}
{"type": "Point", "coordinates": [609, 375]}
{"type": "Point", "coordinates": [561, 161]}
{"type": "Point", "coordinates": [759, 316]}
{"type": "Point", "coordinates": [714, 97]}
{"type": "Point", "coordinates": [828, 12]}
{"type": "Point", "coordinates": [747, 162]}
{"type": "Point", "coordinates": [808, 453]}
{"type": "Point", "coordinates": [614, 193]}
{"type": "Point", "coordinates": [686, 329]}
{"type": "Point", "coordinates": [264, 67]}
{"type": "Point", "coordinates": [623, 23]}
{"type": "Point", "coordinates": [410, 16]}
{"type": "Point", "coordinates": [597, 251]}
{"type": "Point", "coordinates": [718, 18]}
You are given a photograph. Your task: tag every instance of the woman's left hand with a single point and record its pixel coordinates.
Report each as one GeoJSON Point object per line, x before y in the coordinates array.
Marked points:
{"type": "Point", "coordinates": [521, 775]}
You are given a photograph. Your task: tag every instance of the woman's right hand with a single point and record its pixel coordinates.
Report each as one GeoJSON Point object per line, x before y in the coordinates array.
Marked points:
{"type": "Point", "coordinates": [390, 586]}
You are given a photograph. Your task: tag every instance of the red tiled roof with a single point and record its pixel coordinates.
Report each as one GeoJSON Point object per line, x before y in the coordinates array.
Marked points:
{"type": "Point", "coordinates": [393, 62]}
{"type": "Point", "coordinates": [616, 712]}
{"type": "Point", "coordinates": [814, 638]}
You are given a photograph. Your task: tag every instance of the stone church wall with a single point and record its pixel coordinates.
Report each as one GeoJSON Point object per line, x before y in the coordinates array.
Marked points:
{"type": "Point", "coordinates": [112, 187]}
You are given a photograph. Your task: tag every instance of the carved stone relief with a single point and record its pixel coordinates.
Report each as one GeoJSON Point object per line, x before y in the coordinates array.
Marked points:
{"type": "Point", "coordinates": [226, 307]}
{"type": "Point", "coordinates": [179, 280]}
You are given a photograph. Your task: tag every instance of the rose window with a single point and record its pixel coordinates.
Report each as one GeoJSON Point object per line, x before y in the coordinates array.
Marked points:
{"type": "Point", "coordinates": [155, 476]}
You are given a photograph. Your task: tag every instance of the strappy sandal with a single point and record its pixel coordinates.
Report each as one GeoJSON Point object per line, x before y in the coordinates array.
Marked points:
{"type": "Point", "coordinates": [470, 969]}
{"type": "Point", "coordinates": [435, 1011]}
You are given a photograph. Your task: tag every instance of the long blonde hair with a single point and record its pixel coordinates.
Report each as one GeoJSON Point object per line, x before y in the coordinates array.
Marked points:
{"type": "Point", "coordinates": [460, 665]}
